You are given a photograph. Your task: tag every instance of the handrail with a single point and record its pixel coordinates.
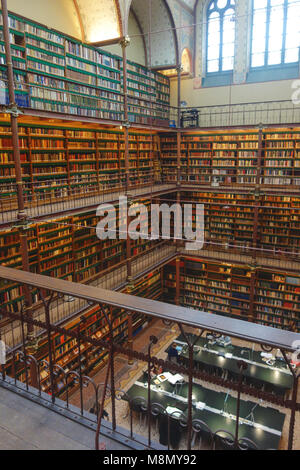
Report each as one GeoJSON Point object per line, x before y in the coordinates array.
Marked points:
{"type": "Point", "coordinates": [198, 319]}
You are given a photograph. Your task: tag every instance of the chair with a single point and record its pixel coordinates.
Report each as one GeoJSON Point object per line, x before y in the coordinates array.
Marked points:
{"type": "Point", "coordinates": [139, 405]}
{"type": "Point", "coordinates": [223, 440]}
{"type": "Point", "coordinates": [247, 444]}
{"type": "Point", "coordinates": [171, 427]}
{"type": "Point", "coordinates": [203, 431]}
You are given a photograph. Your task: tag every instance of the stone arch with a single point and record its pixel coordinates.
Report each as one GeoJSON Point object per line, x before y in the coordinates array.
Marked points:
{"type": "Point", "coordinates": [100, 19]}
{"type": "Point", "coordinates": [163, 27]}
{"type": "Point", "coordinates": [186, 61]}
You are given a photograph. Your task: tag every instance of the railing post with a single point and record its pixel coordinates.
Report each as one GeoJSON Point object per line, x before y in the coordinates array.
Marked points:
{"type": "Point", "coordinates": [177, 299]}
{"type": "Point", "coordinates": [100, 412]}
{"type": "Point", "coordinates": [82, 320]}
{"type": "Point", "coordinates": [293, 413]}
{"type": "Point", "coordinates": [48, 327]}
{"type": "Point", "coordinates": [112, 377]}
{"type": "Point", "coordinates": [294, 401]}
{"type": "Point", "coordinates": [190, 391]}
{"type": "Point", "coordinates": [2, 366]}
{"type": "Point", "coordinates": [242, 366]}
{"type": "Point", "coordinates": [24, 348]}
{"type": "Point", "coordinates": [153, 340]}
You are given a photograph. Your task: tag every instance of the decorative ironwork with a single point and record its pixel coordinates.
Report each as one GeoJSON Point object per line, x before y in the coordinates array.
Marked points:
{"type": "Point", "coordinates": [64, 382]}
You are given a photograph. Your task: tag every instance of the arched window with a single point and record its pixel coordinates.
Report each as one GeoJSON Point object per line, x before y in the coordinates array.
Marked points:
{"type": "Point", "coordinates": [275, 32]}
{"type": "Point", "coordinates": [220, 35]}
{"type": "Point", "coordinates": [186, 61]}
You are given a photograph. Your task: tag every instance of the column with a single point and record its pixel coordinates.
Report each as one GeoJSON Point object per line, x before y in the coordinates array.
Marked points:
{"type": "Point", "coordinates": [22, 223]}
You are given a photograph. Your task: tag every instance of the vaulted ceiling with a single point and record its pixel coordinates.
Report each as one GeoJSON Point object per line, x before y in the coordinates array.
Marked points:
{"type": "Point", "coordinates": [97, 21]}
{"type": "Point", "coordinates": [103, 20]}
{"type": "Point", "coordinates": [100, 19]}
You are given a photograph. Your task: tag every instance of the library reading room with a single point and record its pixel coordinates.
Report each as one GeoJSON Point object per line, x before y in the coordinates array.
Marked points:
{"type": "Point", "coordinates": [150, 225]}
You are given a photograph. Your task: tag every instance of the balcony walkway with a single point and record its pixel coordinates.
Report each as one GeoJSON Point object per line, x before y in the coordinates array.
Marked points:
{"type": "Point", "coordinates": [61, 310]}
{"type": "Point", "coordinates": [40, 209]}
{"type": "Point", "coordinates": [25, 425]}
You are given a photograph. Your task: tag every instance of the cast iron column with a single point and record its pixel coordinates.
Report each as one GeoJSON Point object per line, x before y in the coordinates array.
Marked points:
{"type": "Point", "coordinates": [22, 223]}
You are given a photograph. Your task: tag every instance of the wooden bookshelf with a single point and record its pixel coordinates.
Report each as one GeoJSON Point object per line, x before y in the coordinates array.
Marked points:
{"type": "Point", "coordinates": [230, 219]}
{"type": "Point", "coordinates": [235, 158]}
{"type": "Point", "coordinates": [61, 161]}
{"type": "Point", "coordinates": [229, 216]}
{"type": "Point", "coordinates": [67, 248]}
{"type": "Point", "coordinates": [277, 302]}
{"type": "Point", "coordinates": [60, 74]}
{"type": "Point", "coordinates": [225, 289]}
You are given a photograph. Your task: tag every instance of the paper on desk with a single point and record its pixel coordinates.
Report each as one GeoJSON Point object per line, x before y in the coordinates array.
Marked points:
{"type": "Point", "coordinates": [173, 379]}
{"type": "Point", "coordinates": [171, 411]}
{"type": "Point", "coordinates": [266, 355]}
{"type": "Point", "coordinates": [165, 376]}
{"type": "Point", "coordinates": [200, 405]}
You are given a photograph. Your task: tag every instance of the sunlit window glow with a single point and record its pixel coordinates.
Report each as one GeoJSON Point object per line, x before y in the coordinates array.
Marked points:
{"type": "Point", "coordinates": [275, 32]}
{"type": "Point", "coordinates": [220, 35]}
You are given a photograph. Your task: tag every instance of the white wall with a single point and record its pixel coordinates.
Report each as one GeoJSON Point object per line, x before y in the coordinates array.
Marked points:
{"type": "Point", "coordinates": [244, 93]}
{"type": "Point", "coordinates": [57, 14]}
{"type": "Point", "coordinates": [136, 50]}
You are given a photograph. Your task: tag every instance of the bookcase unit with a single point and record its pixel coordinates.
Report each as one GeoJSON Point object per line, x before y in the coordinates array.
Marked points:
{"type": "Point", "coordinates": [211, 287]}
{"type": "Point", "coordinates": [213, 157]}
{"type": "Point", "coordinates": [57, 73]}
{"type": "Point", "coordinates": [229, 217]}
{"type": "Point", "coordinates": [66, 248]}
{"type": "Point", "coordinates": [58, 161]}
{"type": "Point", "coordinates": [225, 289]}
{"type": "Point", "coordinates": [230, 220]}
{"type": "Point", "coordinates": [281, 157]}
{"type": "Point", "coordinates": [236, 157]}
{"type": "Point", "coordinates": [277, 302]}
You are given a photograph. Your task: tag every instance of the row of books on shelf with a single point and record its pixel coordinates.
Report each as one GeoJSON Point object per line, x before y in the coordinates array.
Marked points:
{"type": "Point", "coordinates": [275, 294]}
{"type": "Point", "coordinates": [276, 322]}
{"type": "Point", "coordinates": [54, 56]}
{"type": "Point", "coordinates": [244, 138]}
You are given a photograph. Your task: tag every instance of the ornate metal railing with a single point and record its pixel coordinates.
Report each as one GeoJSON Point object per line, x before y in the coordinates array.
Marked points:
{"type": "Point", "coordinates": [143, 413]}
{"type": "Point", "coordinates": [275, 112]}
{"type": "Point", "coordinates": [54, 199]}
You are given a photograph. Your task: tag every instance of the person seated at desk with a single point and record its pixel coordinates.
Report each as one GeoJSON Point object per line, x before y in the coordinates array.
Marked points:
{"type": "Point", "coordinates": [173, 353]}
{"type": "Point", "coordinates": [155, 371]}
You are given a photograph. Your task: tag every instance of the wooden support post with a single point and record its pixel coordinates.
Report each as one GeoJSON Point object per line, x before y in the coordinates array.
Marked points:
{"type": "Point", "coordinates": [177, 282]}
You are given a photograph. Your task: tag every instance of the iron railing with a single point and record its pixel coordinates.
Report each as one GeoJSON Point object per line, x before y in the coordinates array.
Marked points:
{"type": "Point", "coordinates": [268, 113]}
{"type": "Point", "coordinates": [143, 412]}
{"type": "Point", "coordinates": [149, 112]}
{"type": "Point", "coordinates": [48, 198]}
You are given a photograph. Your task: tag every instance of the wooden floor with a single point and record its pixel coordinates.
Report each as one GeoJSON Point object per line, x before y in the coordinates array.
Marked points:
{"type": "Point", "coordinates": [25, 425]}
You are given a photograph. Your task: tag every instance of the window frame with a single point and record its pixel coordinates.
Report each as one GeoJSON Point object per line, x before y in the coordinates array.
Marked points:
{"type": "Point", "coordinates": [222, 15]}
{"type": "Point", "coordinates": [282, 64]}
